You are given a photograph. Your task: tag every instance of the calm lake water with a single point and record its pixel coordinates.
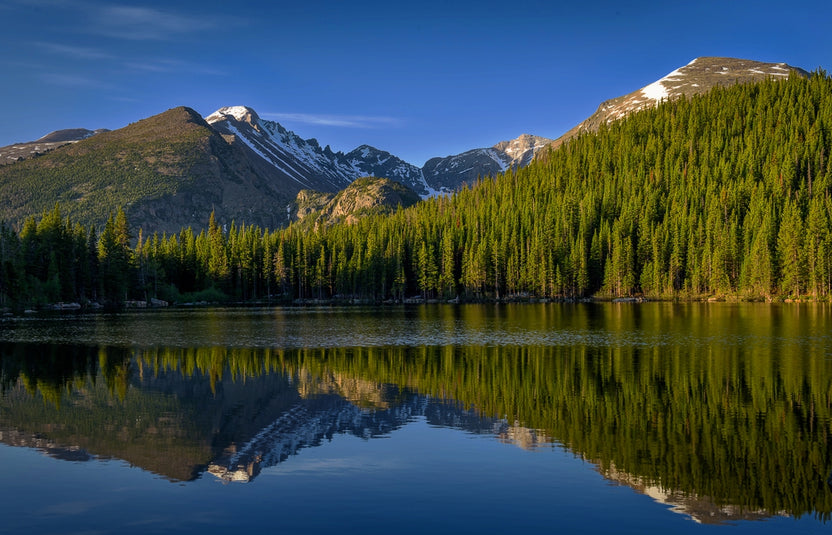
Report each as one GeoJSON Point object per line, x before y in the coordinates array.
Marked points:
{"type": "Point", "coordinates": [584, 418]}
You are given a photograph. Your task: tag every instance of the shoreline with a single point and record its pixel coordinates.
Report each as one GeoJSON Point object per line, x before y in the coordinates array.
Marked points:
{"type": "Point", "coordinates": [155, 304]}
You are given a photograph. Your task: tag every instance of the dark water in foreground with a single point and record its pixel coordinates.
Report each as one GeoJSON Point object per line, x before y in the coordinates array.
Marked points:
{"type": "Point", "coordinates": [590, 418]}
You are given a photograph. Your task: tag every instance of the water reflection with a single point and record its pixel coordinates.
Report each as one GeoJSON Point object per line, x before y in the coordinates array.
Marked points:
{"type": "Point", "coordinates": [721, 412]}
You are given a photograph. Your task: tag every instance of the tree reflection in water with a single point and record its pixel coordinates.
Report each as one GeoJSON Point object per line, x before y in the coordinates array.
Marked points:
{"type": "Point", "coordinates": [716, 429]}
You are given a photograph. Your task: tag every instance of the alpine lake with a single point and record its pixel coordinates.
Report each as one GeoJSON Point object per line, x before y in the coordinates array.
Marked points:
{"type": "Point", "coordinates": [544, 418]}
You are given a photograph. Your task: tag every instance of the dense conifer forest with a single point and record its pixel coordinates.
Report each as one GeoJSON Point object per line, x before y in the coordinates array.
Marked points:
{"type": "Point", "coordinates": [725, 195]}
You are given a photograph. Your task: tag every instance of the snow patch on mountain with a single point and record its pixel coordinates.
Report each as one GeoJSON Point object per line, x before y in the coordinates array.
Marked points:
{"type": "Point", "coordinates": [655, 91]}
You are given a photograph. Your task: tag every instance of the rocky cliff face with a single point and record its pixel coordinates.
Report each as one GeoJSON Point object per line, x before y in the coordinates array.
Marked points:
{"type": "Point", "coordinates": [451, 172]}
{"type": "Point", "coordinates": [370, 161]}
{"type": "Point", "coordinates": [364, 196]}
{"type": "Point", "coordinates": [522, 149]}
{"type": "Point", "coordinates": [296, 160]}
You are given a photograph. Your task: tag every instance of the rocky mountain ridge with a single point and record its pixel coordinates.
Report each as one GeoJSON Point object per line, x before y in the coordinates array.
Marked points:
{"type": "Point", "coordinates": [321, 169]}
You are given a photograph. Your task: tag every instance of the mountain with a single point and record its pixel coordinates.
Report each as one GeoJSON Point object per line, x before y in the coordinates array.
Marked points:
{"type": "Point", "coordinates": [169, 171]}
{"type": "Point", "coordinates": [522, 149]}
{"type": "Point", "coordinates": [370, 161]}
{"type": "Point", "coordinates": [696, 78]}
{"type": "Point", "coordinates": [310, 166]}
{"type": "Point", "coordinates": [19, 151]}
{"type": "Point", "coordinates": [303, 160]}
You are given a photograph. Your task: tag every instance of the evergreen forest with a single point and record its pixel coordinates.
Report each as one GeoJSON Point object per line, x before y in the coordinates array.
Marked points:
{"type": "Point", "coordinates": [720, 196]}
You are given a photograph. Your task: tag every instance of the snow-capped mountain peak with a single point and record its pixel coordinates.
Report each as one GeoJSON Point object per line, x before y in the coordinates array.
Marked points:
{"type": "Point", "coordinates": [239, 113]}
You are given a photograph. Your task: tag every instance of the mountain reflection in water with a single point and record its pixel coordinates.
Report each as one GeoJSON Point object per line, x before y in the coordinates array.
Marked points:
{"type": "Point", "coordinates": [181, 419]}
{"type": "Point", "coordinates": [718, 430]}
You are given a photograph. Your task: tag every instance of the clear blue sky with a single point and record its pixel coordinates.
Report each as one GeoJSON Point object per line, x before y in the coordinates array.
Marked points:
{"type": "Point", "coordinates": [418, 79]}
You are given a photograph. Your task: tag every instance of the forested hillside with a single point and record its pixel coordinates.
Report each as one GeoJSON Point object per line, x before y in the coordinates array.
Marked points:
{"type": "Point", "coordinates": [721, 195]}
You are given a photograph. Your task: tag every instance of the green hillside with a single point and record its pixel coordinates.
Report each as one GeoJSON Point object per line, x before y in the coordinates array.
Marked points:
{"type": "Point", "coordinates": [92, 178]}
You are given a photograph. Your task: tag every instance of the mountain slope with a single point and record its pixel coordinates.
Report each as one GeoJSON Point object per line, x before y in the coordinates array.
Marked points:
{"type": "Point", "coordinates": [696, 78]}
{"type": "Point", "coordinates": [298, 160]}
{"type": "Point", "coordinates": [170, 170]}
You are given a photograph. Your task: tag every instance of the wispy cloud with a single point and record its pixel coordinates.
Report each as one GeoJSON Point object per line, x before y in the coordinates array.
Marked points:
{"type": "Point", "coordinates": [346, 121]}
{"type": "Point", "coordinates": [144, 23]}
{"type": "Point", "coordinates": [172, 65]}
{"type": "Point", "coordinates": [80, 52]}
{"type": "Point", "coordinates": [70, 508]}
{"type": "Point", "coordinates": [72, 81]}
{"type": "Point", "coordinates": [136, 23]}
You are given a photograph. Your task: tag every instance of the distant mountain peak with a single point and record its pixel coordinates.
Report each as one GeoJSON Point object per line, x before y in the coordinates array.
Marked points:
{"type": "Point", "coordinates": [49, 142]}
{"type": "Point", "coordinates": [521, 149]}
{"type": "Point", "coordinates": [699, 76]}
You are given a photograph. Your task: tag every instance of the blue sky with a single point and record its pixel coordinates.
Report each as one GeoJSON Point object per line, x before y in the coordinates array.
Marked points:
{"type": "Point", "coordinates": [418, 79]}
